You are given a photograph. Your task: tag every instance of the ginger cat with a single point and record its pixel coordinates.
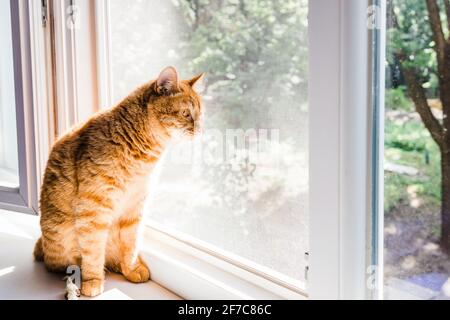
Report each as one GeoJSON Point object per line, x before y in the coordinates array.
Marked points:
{"type": "Point", "coordinates": [96, 177]}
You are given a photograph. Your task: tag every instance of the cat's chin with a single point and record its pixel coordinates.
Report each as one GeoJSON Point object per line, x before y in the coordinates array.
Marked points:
{"type": "Point", "coordinates": [177, 134]}
{"type": "Point", "coordinates": [189, 135]}
{"type": "Point", "coordinates": [193, 133]}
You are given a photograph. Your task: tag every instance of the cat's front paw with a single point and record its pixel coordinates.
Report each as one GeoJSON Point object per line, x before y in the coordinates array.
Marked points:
{"type": "Point", "coordinates": [92, 288]}
{"type": "Point", "coordinates": [139, 274]}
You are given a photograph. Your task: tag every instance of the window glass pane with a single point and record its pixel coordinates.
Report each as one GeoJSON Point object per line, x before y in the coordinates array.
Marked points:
{"type": "Point", "coordinates": [242, 186]}
{"type": "Point", "coordinates": [8, 135]}
{"type": "Point", "coordinates": [417, 173]}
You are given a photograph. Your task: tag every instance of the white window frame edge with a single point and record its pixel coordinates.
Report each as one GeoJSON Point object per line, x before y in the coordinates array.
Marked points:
{"type": "Point", "coordinates": [63, 60]}
{"type": "Point", "coordinates": [25, 198]}
{"type": "Point", "coordinates": [341, 156]}
{"type": "Point", "coordinates": [376, 232]}
{"type": "Point", "coordinates": [104, 70]}
{"type": "Point", "coordinates": [42, 74]}
{"type": "Point", "coordinates": [75, 61]}
{"type": "Point", "coordinates": [324, 75]}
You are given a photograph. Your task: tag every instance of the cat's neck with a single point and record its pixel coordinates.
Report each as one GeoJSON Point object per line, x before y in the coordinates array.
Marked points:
{"type": "Point", "coordinates": [140, 127]}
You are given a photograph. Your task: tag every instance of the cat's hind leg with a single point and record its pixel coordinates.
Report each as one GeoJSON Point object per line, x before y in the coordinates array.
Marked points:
{"type": "Point", "coordinates": [38, 252]}
{"type": "Point", "coordinates": [131, 264]}
{"type": "Point", "coordinates": [58, 248]}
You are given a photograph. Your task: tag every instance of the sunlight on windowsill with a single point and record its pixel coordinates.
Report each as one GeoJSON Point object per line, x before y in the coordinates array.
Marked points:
{"type": "Point", "coordinates": [6, 270]}
{"type": "Point", "coordinates": [23, 278]}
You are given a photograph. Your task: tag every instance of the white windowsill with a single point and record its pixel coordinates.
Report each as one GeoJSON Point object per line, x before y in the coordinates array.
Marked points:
{"type": "Point", "coordinates": [178, 270]}
{"type": "Point", "coordinates": [197, 274]}
{"type": "Point", "coordinates": [22, 278]}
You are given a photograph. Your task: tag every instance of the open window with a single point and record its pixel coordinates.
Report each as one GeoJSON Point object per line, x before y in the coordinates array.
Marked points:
{"type": "Point", "coordinates": [302, 186]}
{"type": "Point", "coordinates": [274, 200]}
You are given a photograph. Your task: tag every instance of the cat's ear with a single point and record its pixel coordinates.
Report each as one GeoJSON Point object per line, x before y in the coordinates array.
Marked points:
{"type": "Point", "coordinates": [167, 82]}
{"type": "Point", "coordinates": [194, 80]}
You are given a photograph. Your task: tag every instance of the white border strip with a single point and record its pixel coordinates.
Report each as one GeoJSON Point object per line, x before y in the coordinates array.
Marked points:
{"type": "Point", "coordinates": [324, 108]}
{"type": "Point", "coordinates": [340, 148]}
{"type": "Point", "coordinates": [104, 60]}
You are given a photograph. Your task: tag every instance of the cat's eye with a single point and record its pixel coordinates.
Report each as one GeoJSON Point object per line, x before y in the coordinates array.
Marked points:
{"type": "Point", "coordinates": [186, 114]}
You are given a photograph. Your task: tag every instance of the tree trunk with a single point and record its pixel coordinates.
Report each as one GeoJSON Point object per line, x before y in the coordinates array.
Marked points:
{"type": "Point", "coordinates": [440, 132]}
{"type": "Point", "coordinates": [445, 198]}
{"type": "Point", "coordinates": [444, 89]}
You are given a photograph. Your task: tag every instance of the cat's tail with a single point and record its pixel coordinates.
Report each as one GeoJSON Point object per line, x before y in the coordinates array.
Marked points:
{"type": "Point", "coordinates": [38, 251]}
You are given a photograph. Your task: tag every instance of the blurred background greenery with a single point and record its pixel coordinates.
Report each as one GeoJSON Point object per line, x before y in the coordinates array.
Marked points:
{"type": "Point", "coordinates": [415, 242]}
{"type": "Point", "coordinates": [255, 57]}
{"type": "Point", "coordinates": [407, 141]}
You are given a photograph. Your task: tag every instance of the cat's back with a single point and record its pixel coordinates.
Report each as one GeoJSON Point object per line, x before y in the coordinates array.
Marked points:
{"type": "Point", "coordinates": [60, 177]}
{"type": "Point", "coordinates": [70, 147]}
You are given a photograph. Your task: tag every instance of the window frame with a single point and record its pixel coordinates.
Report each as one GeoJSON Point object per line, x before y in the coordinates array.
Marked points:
{"type": "Point", "coordinates": [346, 231]}
{"type": "Point", "coordinates": [25, 197]}
{"type": "Point", "coordinates": [378, 81]}
{"type": "Point", "coordinates": [75, 60]}
{"type": "Point", "coordinates": [341, 233]}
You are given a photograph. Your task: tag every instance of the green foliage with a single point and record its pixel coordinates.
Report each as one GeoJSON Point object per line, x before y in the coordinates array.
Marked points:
{"type": "Point", "coordinates": [254, 53]}
{"type": "Point", "coordinates": [412, 37]}
{"type": "Point", "coordinates": [409, 143]}
{"type": "Point", "coordinates": [396, 99]}
{"type": "Point", "coordinates": [407, 136]}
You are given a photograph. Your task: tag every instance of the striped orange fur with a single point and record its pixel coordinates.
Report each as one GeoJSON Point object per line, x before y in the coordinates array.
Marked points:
{"type": "Point", "coordinates": [95, 182]}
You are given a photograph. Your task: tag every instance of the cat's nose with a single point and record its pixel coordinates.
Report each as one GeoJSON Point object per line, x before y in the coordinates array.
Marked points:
{"type": "Point", "coordinates": [198, 127]}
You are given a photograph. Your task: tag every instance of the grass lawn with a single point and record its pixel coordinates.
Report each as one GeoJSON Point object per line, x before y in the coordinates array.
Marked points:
{"type": "Point", "coordinates": [412, 203]}
{"type": "Point", "coordinates": [408, 143]}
